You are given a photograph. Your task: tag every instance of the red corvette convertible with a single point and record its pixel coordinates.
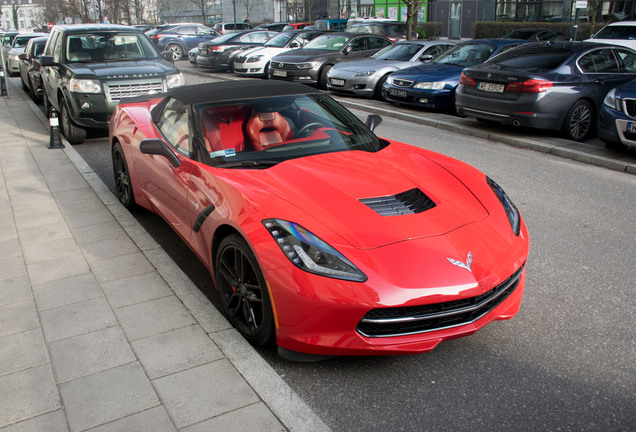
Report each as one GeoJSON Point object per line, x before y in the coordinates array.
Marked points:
{"type": "Point", "coordinates": [319, 235]}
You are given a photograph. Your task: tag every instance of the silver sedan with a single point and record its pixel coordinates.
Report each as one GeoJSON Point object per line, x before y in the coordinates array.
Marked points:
{"type": "Point", "coordinates": [364, 78]}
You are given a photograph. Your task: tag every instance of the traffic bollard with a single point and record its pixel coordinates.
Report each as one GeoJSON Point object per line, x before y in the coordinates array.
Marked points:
{"type": "Point", "coordinates": [54, 124]}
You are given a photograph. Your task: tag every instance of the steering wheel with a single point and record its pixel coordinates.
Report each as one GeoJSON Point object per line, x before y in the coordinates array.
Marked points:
{"type": "Point", "coordinates": [302, 132]}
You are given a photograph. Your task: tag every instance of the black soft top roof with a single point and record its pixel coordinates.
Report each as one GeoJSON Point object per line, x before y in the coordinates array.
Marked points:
{"type": "Point", "coordinates": [236, 90]}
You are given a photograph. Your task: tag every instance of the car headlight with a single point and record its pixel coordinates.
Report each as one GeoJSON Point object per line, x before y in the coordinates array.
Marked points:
{"type": "Point", "coordinates": [306, 65]}
{"type": "Point", "coordinates": [175, 80]}
{"type": "Point", "coordinates": [15, 57]}
{"type": "Point", "coordinates": [509, 207]}
{"type": "Point", "coordinates": [77, 85]}
{"type": "Point", "coordinates": [254, 59]}
{"type": "Point", "coordinates": [311, 254]}
{"type": "Point", "coordinates": [436, 85]}
{"type": "Point", "coordinates": [611, 101]}
{"type": "Point", "coordinates": [364, 73]}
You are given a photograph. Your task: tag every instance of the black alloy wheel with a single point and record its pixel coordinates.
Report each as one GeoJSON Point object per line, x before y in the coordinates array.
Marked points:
{"type": "Point", "coordinates": [243, 291]}
{"type": "Point", "coordinates": [123, 187]}
{"type": "Point", "coordinates": [579, 121]}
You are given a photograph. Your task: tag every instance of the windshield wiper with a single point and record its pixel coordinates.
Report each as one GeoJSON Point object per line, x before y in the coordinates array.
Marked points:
{"type": "Point", "coordinates": [250, 164]}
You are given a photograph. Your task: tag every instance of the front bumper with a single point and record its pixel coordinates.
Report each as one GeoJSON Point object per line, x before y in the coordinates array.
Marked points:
{"type": "Point", "coordinates": [348, 83]}
{"type": "Point", "coordinates": [250, 68]}
{"type": "Point", "coordinates": [616, 127]}
{"type": "Point", "coordinates": [431, 99]}
{"type": "Point", "coordinates": [213, 61]}
{"type": "Point", "coordinates": [304, 76]}
{"type": "Point", "coordinates": [13, 65]}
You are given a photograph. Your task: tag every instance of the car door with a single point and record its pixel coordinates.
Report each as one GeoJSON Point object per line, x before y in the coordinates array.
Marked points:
{"type": "Point", "coordinates": [24, 63]}
{"type": "Point", "coordinates": [601, 72]}
{"type": "Point", "coordinates": [165, 185]}
{"type": "Point", "coordinates": [51, 75]}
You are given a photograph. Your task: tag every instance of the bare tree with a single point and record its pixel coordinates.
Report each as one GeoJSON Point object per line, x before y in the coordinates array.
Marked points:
{"type": "Point", "coordinates": [14, 14]}
{"type": "Point", "coordinates": [204, 6]}
{"type": "Point", "coordinates": [412, 9]}
{"type": "Point", "coordinates": [248, 8]}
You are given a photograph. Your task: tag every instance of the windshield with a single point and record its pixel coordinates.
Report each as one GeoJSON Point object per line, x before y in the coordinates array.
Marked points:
{"type": "Point", "coordinates": [617, 32]}
{"type": "Point", "coordinates": [466, 55]}
{"type": "Point", "coordinates": [398, 52]}
{"type": "Point", "coordinates": [279, 40]}
{"type": "Point", "coordinates": [328, 42]}
{"type": "Point", "coordinates": [262, 132]}
{"type": "Point", "coordinates": [21, 41]}
{"type": "Point", "coordinates": [100, 47]}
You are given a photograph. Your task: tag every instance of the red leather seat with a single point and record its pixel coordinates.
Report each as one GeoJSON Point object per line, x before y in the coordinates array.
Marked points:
{"type": "Point", "coordinates": [268, 128]}
{"type": "Point", "coordinates": [223, 128]}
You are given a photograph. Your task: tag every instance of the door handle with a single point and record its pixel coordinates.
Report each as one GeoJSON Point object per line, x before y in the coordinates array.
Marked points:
{"type": "Point", "coordinates": [599, 82]}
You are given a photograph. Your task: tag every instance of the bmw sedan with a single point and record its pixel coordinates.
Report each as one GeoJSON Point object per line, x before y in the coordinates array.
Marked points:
{"type": "Point", "coordinates": [546, 85]}
{"type": "Point", "coordinates": [311, 64]}
{"type": "Point", "coordinates": [617, 118]}
{"type": "Point", "coordinates": [432, 85]}
{"type": "Point", "coordinates": [366, 77]}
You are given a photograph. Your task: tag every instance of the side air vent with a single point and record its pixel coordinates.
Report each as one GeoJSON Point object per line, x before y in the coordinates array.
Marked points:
{"type": "Point", "coordinates": [409, 202]}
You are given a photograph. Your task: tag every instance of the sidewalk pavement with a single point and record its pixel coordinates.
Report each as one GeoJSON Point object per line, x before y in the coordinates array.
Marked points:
{"type": "Point", "coordinates": [99, 328]}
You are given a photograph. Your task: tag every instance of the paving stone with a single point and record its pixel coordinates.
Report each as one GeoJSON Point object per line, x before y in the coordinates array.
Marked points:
{"type": "Point", "coordinates": [33, 220]}
{"type": "Point", "coordinates": [76, 319]}
{"type": "Point", "coordinates": [174, 351]}
{"type": "Point", "coordinates": [136, 289]}
{"type": "Point", "coordinates": [95, 233]}
{"type": "Point", "coordinates": [50, 422]}
{"type": "Point", "coordinates": [22, 351]}
{"type": "Point", "coordinates": [255, 417]}
{"type": "Point", "coordinates": [44, 233]}
{"type": "Point", "coordinates": [121, 267]}
{"type": "Point", "coordinates": [27, 394]}
{"type": "Point", "coordinates": [155, 420]}
{"type": "Point", "coordinates": [153, 317]}
{"type": "Point", "coordinates": [89, 217]}
{"type": "Point", "coordinates": [79, 200]}
{"type": "Point", "coordinates": [90, 353]}
{"type": "Point", "coordinates": [57, 269]}
{"type": "Point", "coordinates": [66, 291]}
{"type": "Point", "coordinates": [12, 267]}
{"type": "Point", "coordinates": [10, 248]}
{"type": "Point", "coordinates": [37, 252]}
{"type": "Point", "coordinates": [18, 317]}
{"type": "Point", "coordinates": [198, 394]}
{"type": "Point", "coordinates": [109, 248]}
{"type": "Point", "coordinates": [15, 290]}
{"type": "Point", "coordinates": [100, 398]}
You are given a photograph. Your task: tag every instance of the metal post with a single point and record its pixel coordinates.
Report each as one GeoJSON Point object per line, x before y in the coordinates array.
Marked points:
{"type": "Point", "coordinates": [55, 141]}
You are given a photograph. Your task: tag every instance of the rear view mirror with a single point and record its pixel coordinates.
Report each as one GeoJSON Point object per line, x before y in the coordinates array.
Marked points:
{"type": "Point", "coordinates": [426, 57]}
{"type": "Point", "coordinates": [155, 146]}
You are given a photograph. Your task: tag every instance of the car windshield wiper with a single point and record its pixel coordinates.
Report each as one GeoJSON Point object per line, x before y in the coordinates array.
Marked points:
{"type": "Point", "coordinates": [250, 164]}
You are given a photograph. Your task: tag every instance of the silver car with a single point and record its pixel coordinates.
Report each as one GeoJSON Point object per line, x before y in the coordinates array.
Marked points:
{"type": "Point", "coordinates": [364, 78]}
{"type": "Point", "coordinates": [12, 54]}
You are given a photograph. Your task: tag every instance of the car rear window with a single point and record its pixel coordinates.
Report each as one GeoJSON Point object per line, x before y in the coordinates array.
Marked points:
{"type": "Point", "coordinates": [538, 57]}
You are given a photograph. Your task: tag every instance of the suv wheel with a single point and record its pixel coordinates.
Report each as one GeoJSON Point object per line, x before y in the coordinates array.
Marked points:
{"type": "Point", "coordinates": [73, 134]}
{"type": "Point", "coordinates": [176, 50]}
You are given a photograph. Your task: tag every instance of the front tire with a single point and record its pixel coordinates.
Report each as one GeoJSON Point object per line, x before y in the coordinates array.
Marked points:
{"type": "Point", "coordinates": [322, 79]}
{"type": "Point", "coordinates": [73, 134]}
{"type": "Point", "coordinates": [176, 50]}
{"type": "Point", "coordinates": [123, 185]}
{"type": "Point", "coordinates": [379, 94]}
{"type": "Point", "coordinates": [579, 121]}
{"type": "Point", "coordinates": [243, 291]}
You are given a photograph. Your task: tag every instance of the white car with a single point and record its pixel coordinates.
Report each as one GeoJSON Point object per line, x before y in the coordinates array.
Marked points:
{"type": "Point", "coordinates": [12, 55]}
{"type": "Point", "coordinates": [618, 33]}
{"type": "Point", "coordinates": [255, 61]}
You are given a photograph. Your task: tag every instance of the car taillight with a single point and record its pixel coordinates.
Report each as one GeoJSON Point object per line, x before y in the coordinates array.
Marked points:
{"type": "Point", "coordinates": [216, 48]}
{"type": "Point", "coordinates": [467, 81]}
{"type": "Point", "coordinates": [529, 86]}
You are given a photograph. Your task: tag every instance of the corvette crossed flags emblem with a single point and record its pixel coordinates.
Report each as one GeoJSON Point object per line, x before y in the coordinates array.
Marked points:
{"type": "Point", "coordinates": [466, 265]}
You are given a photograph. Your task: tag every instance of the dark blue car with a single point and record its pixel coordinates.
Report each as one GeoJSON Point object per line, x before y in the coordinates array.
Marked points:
{"type": "Point", "coordinates": [617, 117]}
{"type": "Point", "coordinates": [432, 85]}
{"type": "Point", "coordinates": [181, 38]}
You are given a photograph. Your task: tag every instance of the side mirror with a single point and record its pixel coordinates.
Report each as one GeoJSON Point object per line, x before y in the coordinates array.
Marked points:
{"type": "Point", "coordinates": [22, 56]}
{"type": "Point", "coordinates": [167, 55]}
{"type": "Point", "coordinates": [373, 121]}
{"type": "Point", "coordinates": [47, 60]}
{"type": "Point", "coordinates": [156, 146]}
{"type": "Point", "coordinates": [347, 50]}
{"type": "Point", "coordinates": [426, 57]}
{"type": "Point", "coordinates": [294, 44]}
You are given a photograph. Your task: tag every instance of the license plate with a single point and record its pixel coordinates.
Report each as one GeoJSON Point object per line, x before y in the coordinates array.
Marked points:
{"type": "Point", "coordinates": [631, 127]}
{"type": "Point", "coordinates": [280, 73]}
{"type": "Point", "coordinates": [397, 93]}
{"type": "Point", "coordinates": [337, 82]}
{"type": "Point", "coordinates": [491, 87]}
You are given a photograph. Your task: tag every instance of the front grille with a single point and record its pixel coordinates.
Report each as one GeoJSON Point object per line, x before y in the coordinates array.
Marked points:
{"type": "Point", "coordinates": [117, 91]}
{"type": "Point", "coordinates": [288, 66]}
{"type": "Point", "coordinates": [409, 202]}
{"type": "Point", "coordinates": [240, 70]}
{"type": "Point", "coordinates": [402, 83]}
{"type": "Point", "coordinates": [630, 107]}
{"type": "Point", "coordinates": [419, 319]}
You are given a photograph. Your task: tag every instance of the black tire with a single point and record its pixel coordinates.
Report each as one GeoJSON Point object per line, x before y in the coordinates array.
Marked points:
{"type": "Point", "coordinates": [378, 94]}
{"type": "Point", "coordinates": [243, 291]}
{"type": "Point", "coordinates": [73, 134]}
{"type": "Point", "coordinates": [46, 104]}
{"type": "Point", "coordinates": [24, 86]}
{"type": "Point", "coordinates": [123, 186]}
{"type": "Point", "coordinates": [33, 91]}
{"type": "Point", "coordinates": [322, 78]}
{"type": "Point", "coordinates": [579, 121]}
{"type": "Point", "coordinates": [618, 146]}
{"type": "Point", "coordinates": [176, 50]}
{"type": "Point", "coordinates": [266, 71]}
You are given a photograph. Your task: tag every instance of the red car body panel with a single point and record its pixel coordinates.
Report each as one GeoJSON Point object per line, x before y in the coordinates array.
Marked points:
{"type": "Point", "coordinates": [405, 258]}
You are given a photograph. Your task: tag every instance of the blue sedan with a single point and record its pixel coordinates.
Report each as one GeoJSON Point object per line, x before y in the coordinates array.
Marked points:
{"type": "Point", "coordinates": [432, 85]}
{"type": "Point", "coordinates": [617, 117]}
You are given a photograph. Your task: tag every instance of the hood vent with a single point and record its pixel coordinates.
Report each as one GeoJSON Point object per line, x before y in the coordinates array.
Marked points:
{"type": "Point", "coordinates": [409, 202]}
